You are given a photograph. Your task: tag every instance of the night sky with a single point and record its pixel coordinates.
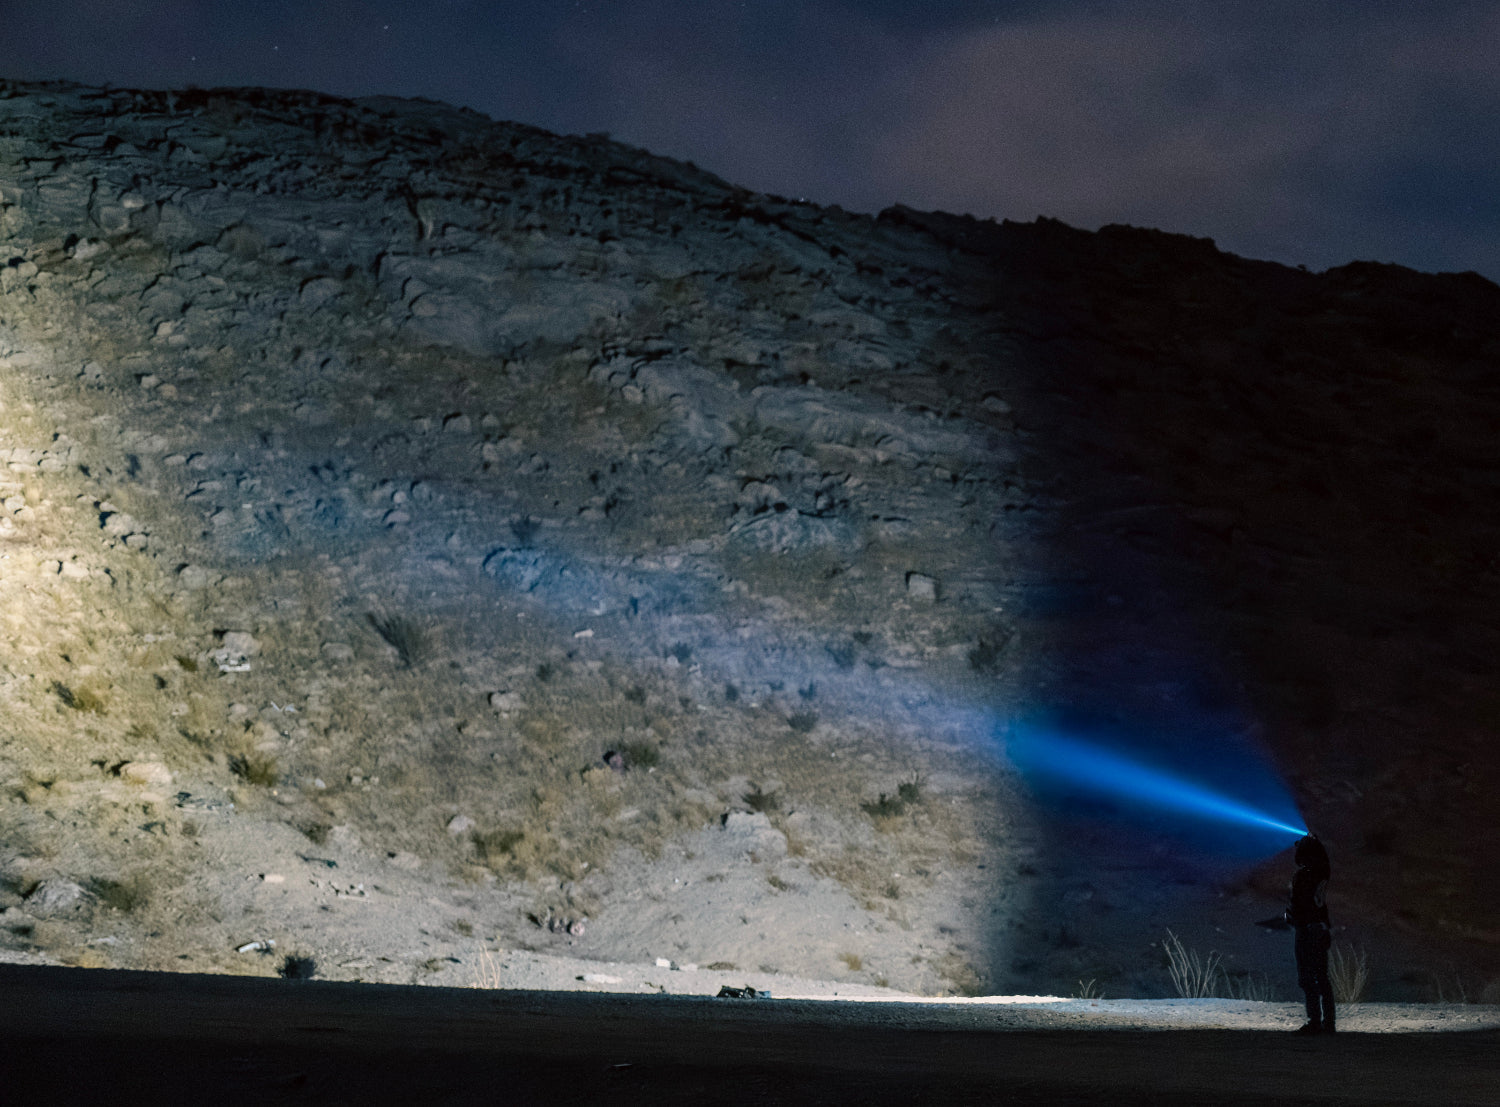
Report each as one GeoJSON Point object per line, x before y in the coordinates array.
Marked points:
{"type": "Point", "coordinates": [1306, 133]}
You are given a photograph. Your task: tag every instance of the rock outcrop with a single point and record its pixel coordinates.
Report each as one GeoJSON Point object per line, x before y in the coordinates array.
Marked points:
{"type": "Point", "coordinates": [376, 469]}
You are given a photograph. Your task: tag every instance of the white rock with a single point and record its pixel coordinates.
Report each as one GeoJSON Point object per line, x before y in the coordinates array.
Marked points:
{"type": "Point", "coordinates": [506, 701]}
{"type": "Point", "coordinates": [241, 642]}
{"type": "Point", "coordinates": [752, 832]}
{"type": "Point", "coordinates": [54, 896]}
{"type": "Point", "coordinates": [460, 824]}
{"type": "Point", "coordinates": [920, 586]}
{"type": "Point", "coordinates": [146, 774]}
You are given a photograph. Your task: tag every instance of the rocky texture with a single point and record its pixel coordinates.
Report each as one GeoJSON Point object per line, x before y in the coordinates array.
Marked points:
{"type": "Point", "coordinates": [486, 532]}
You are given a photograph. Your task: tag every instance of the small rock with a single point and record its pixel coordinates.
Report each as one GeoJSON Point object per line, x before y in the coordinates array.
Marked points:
{"type": "Point", "coordinates": [460, 824]}
{"type": "Point", "coordinates": [338, 651]}
{"type": "Point", "coordinates": [194, 577]}
{"type": "Point", "coordinates": [52, 897]}
{"type": "Point", "coordinates": [506, 701]}
{"type": "Point", "coordinates": [233, 656]}
{"type": "Point", "coordinates": [273, 878]}
{"type": "Point", "coordinates": [920, 586]}
{"type": "Point", "coordinates": [146, 774]}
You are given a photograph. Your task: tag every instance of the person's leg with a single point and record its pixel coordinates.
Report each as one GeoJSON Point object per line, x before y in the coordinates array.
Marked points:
{"type": "Point", "coordinates": [1303, 947]}
{"type": "Point", "coordinates": [1325, 982]}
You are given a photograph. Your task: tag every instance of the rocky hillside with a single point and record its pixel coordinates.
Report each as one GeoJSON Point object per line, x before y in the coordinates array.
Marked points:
{"type": "Point", "coordinates": [425, 535]}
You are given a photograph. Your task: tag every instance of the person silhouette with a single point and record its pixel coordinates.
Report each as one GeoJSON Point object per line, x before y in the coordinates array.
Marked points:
{"type": "Point", "coordinates": [1307, 913]}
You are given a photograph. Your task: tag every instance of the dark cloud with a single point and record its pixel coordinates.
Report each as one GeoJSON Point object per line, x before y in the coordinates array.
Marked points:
{"type": "Point", "coordinates": [1306, 133]}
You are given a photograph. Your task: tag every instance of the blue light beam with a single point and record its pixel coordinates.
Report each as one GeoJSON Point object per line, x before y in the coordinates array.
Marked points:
{"type": "Point", "coordinates": [1102, 771]}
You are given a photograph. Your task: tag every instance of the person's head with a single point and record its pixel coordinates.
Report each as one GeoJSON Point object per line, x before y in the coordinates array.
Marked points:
{"type": "Point", "coordinates": [1310, 854]}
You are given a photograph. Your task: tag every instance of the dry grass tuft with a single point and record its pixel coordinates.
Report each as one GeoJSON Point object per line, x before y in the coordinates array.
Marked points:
{"type": "Point", "coordinates": [254, 767]}
{"type": "Point", "coordinates": [1193, 977]}
{"type": "Point", "coordinates": [406, 636]}
{"type": "Point", "coordinates": [908, 794]}
{"type": "Point", "coordinates": [125, 895]}
{"type": "Point", "coordinates": [1348, 972]}
{"type": "Point", "coordinates": [486, 971]}
{"type": "Point", "coordinates": [80, 699]}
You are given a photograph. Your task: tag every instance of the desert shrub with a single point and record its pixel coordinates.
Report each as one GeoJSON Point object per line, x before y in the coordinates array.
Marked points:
{"type": "Point", "coordinates": [254, 767]}
{"type": "Point", "coordinates": [1088, 989]}
{"type": "Point", "coordinates": [496, 845]}
{"type": "Point", "coordinates": [765, 802]}
{"type": "Point", "coordinates": [79, 700]}
{"type": "Point", "coordinates": [640, 755]}
{"type": "Point", "coordinates": [842, 655]}
{"type": "Point", "coordinates": [908, 794]}
{"type": "Point", "coordinates": [524, 530]}
{"type": "Point", "coordinates": [1257, 989]}
{"type": "Point", "coordinates": [1348, 972]}
{"type": "Point", "coordinates": [405, 636]}
{"type": "Point", "coordinates": [682, 652]}
{"type": "Point", "coordinates": [486, 971]}
{"type": "Point", "coordinates": [853, 961]}
{"type": "Point", "coordinates": [803, 722]}
{"type": "Point", "coordinates": [297, 966]}
{"type": "Point", "coordinates": [1192, 976]}
{"type": "Point", "coordinates": [986, 654]}
{"type": "Point", "coordinates": [125, 895]}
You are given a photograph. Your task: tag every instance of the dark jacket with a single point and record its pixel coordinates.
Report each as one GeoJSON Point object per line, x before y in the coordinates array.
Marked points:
{"type": "Point", "coordinates": [1308, 905]}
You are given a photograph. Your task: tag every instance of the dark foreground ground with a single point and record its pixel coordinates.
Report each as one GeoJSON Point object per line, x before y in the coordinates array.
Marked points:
{"type": "Point", "coordinates": [70, 1035]}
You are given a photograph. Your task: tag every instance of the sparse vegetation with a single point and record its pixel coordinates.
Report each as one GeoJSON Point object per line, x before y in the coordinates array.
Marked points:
{"type": "Point", "coordinates": [908, 794]}
{"type": "Point", "coordinates": [524, 530]}
{"type": "Point", "coordinates": [297, 966]}
{"type": "Point", "coordinates": [1193, 977]}
{"type": "Point", "coordinates": [803, 721]}
{"type": "Point", "coordinates": [852, 961]}
{"type": "Point", "coordinates": [255, 767]}
{"type": "Point", "coordinates": [80, 699]}
{"type": "Point", "coordinates": [406, 636]}
{"type": "Point", "coordinates": [640, 755]}
{"type": "Point", "coordinates": [767, 803]}
{"type": "Point", "coordinates": [987, 652]}
{"type": "Point", "coordinates": [127, 894]}
{"type": "Point", "coordinates": [1248, 986]}
{"type": "Point", "coordinates": [1348, 972]}
{"type": "Point", "coordinates": [498, 845]}
{"type": "Point", "coordinates": [1088, 989]}
{"type": "Point", "coordinates": [486, 970]}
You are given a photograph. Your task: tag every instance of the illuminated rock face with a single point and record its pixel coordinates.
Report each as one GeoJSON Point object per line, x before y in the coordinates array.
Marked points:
{"type": "Point", "coordinates": [582, 501]}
